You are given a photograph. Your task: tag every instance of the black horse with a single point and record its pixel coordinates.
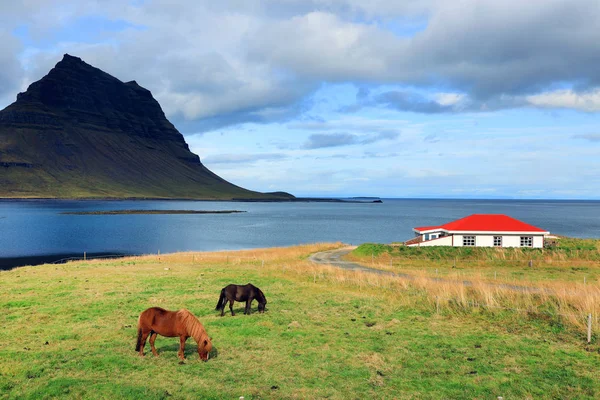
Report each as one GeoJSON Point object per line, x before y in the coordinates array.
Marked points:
{"type": "Point", "coordinates": [247, 293]}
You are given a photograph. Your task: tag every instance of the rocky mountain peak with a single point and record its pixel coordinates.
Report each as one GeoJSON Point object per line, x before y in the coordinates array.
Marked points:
{"type": "Point", "coordinates": [80, 132]}
{"type": "Point", "coordinates": [74, 85]}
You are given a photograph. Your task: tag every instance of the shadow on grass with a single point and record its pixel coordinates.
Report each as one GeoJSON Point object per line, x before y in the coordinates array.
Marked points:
{"type": "Point", "coordinates": [191, 351]}
{"type": "Point", "coordinates": [240, 311]}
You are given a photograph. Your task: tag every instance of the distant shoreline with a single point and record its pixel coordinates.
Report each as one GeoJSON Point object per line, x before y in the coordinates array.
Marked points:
{"type": "Point", "coordinates": [294, 200]}
{"type": "Point", "coordinates": [146, 212]}
{"type": "Point", "coordinates": [9, 263]}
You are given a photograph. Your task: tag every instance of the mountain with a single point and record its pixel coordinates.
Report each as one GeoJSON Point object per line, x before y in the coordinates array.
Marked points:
{"type": "Point", "coordinates": [81, 133]}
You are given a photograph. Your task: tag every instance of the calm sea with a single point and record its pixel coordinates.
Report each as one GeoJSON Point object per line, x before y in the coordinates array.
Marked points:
{"type": "Point", "coordinates": [30, 229]}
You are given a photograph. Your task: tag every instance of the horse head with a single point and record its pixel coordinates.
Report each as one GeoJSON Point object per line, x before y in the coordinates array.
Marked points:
{"type": "Point", "coordinates": [262, 301]}
{"type": "Point", "coordinates": [204, 348]}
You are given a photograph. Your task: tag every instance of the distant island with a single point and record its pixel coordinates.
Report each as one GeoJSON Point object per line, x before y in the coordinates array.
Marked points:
{"type": "Point", "coordinates": [125, 212]}
{"type": "Point", "coordinates": [340, 200]}
{"type": "Point", "coordinates": [80, 133]}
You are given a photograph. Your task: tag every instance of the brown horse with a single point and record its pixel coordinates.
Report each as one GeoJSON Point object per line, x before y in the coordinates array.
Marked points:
{"type": "Point", "coordinates": [247, 293]}
{"type": "Point", "coordinates": [180, 323]}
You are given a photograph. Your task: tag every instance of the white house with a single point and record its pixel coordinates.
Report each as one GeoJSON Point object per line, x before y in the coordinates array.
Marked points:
{"type": "Point", "coordinates": [480, 230]}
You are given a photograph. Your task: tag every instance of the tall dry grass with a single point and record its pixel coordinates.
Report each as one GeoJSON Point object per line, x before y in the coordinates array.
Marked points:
{"type": "Point", "coordinates": [569, 302]}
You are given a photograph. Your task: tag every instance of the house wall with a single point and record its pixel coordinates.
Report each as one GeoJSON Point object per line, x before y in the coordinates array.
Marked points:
{"type": "Point", "coordinates": [507, 240]}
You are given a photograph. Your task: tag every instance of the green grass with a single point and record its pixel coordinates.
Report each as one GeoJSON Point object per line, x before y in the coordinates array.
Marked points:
{"type": "Point", "coordinates": [69, 331]}
{"type": "Point", "coordinates": [573, 260]}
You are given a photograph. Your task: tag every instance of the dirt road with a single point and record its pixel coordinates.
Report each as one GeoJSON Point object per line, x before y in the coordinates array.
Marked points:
{"type": "Point", "coordinates": [333, 257]}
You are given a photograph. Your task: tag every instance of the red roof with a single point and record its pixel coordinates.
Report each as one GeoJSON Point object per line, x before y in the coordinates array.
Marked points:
{"type": "Point", "coordinates": [427, 228]}
{"type": "Point", "coordinates": [485, 222]}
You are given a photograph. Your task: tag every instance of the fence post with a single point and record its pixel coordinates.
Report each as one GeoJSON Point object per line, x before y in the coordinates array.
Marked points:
{"type": "Point", "coordinates": [589, 331]}
{"type": "Point", "coordinates": [530, 263]}
{"type": "Point", "coordinates": [84, 256]}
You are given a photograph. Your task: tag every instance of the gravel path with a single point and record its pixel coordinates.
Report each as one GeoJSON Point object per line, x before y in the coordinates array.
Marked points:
{"type": "Point", "coordinates": [333, 257]}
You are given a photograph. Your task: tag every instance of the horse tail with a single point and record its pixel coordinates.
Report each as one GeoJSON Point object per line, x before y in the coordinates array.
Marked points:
{"type": "Point", "coordinates": [139, 340]}
{"type": "Point", "coordinates": [138, 344]}
{"type": "Point", "coordinates": [222, 301]}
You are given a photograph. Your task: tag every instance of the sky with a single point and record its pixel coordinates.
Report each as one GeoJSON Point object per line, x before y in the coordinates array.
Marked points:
{"type": "Point", "coordinates": [337, 98]}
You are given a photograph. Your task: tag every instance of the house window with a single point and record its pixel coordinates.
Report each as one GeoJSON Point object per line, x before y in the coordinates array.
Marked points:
{"type": "Point", "coordinates": [497, 241]}
{"type": "Point", "coordinates": [468, 240]}
{"type": "Point", "coordinates": [526, 241]}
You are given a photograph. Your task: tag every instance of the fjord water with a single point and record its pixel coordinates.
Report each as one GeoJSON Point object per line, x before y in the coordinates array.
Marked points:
{"type": "Point", "coordinates": [37, 227]}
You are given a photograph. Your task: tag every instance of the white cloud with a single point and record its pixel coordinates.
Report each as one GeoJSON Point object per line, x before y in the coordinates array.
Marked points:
{"type": "Point", "coordinates": [233, 60]}
{"type": "Point", "coordinates": [449, 99]}
{"type": "Point", "coordinates": [586, 101]}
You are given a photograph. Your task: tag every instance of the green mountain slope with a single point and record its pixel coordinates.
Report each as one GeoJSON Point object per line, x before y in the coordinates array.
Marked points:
{"type": "Point", "coordinates": [82, 133]}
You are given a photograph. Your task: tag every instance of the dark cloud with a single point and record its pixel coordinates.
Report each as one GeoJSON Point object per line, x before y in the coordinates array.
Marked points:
{"type": "Point", "coordinates": [385, 135]}
{"type": "Point", "coordinates": [493, 52]}
{"type": "Point", "coordinates": [362, 93]}
{"type": "Point", "coordinates": [319, 140]}
{"type": "Point", "coordinates": [437, 103]}
{"type": "Point", "coordinates": [592, 137]}
{"type": "Point", "coordinates": [375, 129]}
{"type": "Point", "coordinates": [431, 138]}
{"type": "Point", "coordinates": [410, 101]}
{"type": "Point", "coordinates": [323, 140]}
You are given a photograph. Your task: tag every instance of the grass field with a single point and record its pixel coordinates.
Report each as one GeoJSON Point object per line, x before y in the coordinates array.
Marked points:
{"type": "Point", "coordinates": [69, 331]}
{"type": "Point", "coordinates": [572, 260]}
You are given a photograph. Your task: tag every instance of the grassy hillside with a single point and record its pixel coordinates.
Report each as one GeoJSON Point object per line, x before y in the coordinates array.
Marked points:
{"type": "Point", "coordinates": [106, 165]}
{"type": "Point", "coordinates": [69, 331]}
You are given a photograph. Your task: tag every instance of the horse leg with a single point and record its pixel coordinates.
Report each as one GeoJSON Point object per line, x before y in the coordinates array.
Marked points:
{"type": "Point", "coordinates": [231, 307]}
{"type": "Point", "coordinates": [248, 303]}
{"type": "Point", "coordinates": [152, 339]}
{"type": "Point", "coordinates": [224, 305]}
{"type": "Point", "coordinates": [181, 352]}
{"type": "Point", "coordinates": [143, 342]}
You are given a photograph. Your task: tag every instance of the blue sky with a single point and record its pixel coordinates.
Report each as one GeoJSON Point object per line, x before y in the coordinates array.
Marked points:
{"type": "Point", "coordinates": [464, 99]}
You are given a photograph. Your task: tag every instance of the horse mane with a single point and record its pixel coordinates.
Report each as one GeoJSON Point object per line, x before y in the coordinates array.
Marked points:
{"type": "Point", "coordinates": [261, 296]}
{"type": "Point", "coordinates": [193, 327]}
